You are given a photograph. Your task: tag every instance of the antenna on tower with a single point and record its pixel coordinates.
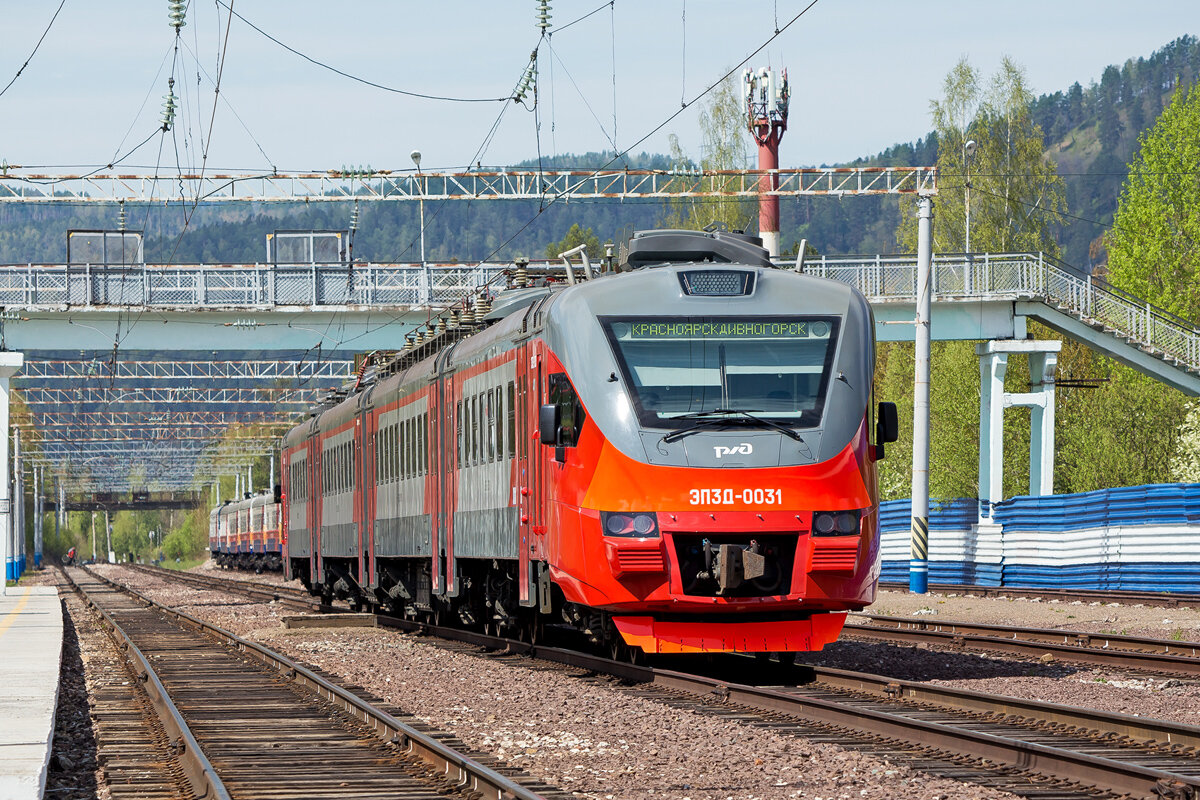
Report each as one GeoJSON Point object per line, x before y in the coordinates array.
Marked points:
{"type": "Point", "coordinates": [766, 96]}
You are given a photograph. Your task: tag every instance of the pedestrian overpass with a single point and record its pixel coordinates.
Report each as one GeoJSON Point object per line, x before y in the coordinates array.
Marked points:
{"type": "Point", "coordinates": [121, 359]}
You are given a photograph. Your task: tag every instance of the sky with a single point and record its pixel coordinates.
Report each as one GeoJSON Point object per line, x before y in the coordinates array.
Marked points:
{"type": "Point", "coordinates": [862, 75]}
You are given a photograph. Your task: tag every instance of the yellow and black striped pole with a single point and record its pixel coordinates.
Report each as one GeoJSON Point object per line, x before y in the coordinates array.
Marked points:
{"type": "Point", "coordinates": [918, 566]}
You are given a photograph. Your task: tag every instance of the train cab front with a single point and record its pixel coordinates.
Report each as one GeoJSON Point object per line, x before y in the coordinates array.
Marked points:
{"type": "Point", "coordinates": [718, 488]}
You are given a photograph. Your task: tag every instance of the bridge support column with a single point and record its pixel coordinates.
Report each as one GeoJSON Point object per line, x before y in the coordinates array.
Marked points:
{"type": "Point", "coordinates": [10, 364]}
{"type": "Point", "coordinates": [993, 364]}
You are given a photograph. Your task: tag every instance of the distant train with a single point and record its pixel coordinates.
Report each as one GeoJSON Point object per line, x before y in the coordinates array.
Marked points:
{"type": "Point", "coordinates": [678, 455]}
{"type": "Point", "coordinates": [245, 534]}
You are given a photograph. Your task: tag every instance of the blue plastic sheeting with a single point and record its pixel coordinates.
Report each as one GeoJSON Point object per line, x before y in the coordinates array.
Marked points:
{"type": "Point", "coordinates": [965, 573]}
{"type": "Point", "coordinates": [1158, 504]}
{"type": "Point", "coordinates": [957, 515]}
{"type": "Point", "coordinates": [1174, 577]}
{"type": "Point", "coordinates": [1167, 577]}
{"type": "Point", "coordinates": [1140, 538]}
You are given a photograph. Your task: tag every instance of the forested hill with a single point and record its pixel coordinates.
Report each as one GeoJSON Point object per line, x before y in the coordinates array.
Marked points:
{"type": "Point", "coordinates": [1091, 133]}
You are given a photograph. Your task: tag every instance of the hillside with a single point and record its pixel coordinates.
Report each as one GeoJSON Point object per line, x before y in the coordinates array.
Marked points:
{"type": "Point", "coordinates": [1090, 132]}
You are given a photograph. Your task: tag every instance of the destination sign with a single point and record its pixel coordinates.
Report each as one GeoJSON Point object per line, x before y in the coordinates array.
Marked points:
{"type": "Point", "coordinates": [800, 329]}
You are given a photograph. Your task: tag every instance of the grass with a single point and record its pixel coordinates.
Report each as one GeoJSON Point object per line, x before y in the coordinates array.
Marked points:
{"type": "Point", "coordinates": [1177, 636]}
{"type": "Point", "coordinates": [186, 563]}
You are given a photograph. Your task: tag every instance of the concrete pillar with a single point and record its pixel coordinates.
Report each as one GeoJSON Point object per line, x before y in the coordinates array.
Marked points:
{"type": "Point", "coordinates": [18, 503]}
{"type": "Point", "coordinates": [37, 517]}
{"type": "Point", "coordinates": [112, 557]}
{"type": "Point", "coordinates": [1042, 367]}
{"type": "Point", "coordinates": [992, 368]}
{"type": "Point", "coordinates": [918, 565]}
{"type": "Point", "coordinates": [993, 363]}
{"type": "Point", "coordinates": [10, 364]}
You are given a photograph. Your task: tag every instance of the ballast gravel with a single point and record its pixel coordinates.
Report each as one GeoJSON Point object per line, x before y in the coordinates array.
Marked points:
{"type": "Point", "coordinates": [587, 737]}
{"type": "Point", "coordinates": [602, 742]}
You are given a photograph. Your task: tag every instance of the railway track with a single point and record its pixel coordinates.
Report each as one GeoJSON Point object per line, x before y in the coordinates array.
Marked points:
{"type": "Point", "coordinates": [236, 720]}
{"type": "Point", "coordinates": [1159, 656]}
{"type": "Point", "coordinates": [1125, 597]}
{"type": "Point", "coordinates": [1034, 749]}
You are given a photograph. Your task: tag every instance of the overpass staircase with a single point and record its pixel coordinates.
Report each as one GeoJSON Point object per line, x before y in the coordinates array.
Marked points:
{"type": "Point", "coordinates": [1022, 286]}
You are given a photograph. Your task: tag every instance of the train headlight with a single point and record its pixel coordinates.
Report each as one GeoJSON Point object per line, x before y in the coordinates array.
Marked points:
{"type": "Point", "coordinates": [632, 524]}
{"type": "Point", "coordinates": [836, 523]}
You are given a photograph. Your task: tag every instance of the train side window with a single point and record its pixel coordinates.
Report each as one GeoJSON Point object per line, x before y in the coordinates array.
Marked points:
{"type": "Point", "coordinates": [512, 420]}
{"type": "Point", "coordinates": [497, 424]}
{"type": "Point", "coordinates": [425, 443]}
{"type": "Point", "coordinates": [474, 430]}
{"type": "Point", "coordinates": [490, 418]}
{"type": "Point", "coordinates": [462, 437]}
{"type": "Point", "coordinates": [410, 448]}
{"type": "Point", "coordinates": [419, 447]}
{"type": "Point", "coordinates": [405, 449]}
{"type": "Point", "coordinates": [570, 411]}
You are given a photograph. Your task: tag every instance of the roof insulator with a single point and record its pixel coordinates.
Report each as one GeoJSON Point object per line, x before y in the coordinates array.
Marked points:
{"type": "Point", "coordinates": [176, 11]}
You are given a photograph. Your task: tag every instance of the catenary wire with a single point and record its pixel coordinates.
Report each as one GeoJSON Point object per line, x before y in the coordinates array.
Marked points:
{"type": "Point", "coordinates": [41, 39]}
{"type": "Point", "coordinates": [357, 79]}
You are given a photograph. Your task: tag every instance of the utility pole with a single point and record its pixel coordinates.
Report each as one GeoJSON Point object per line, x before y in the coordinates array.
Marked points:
{"type": "Point", "coordinates": [93, 536]}
{"type": "Point", "coordinates": [108, 537]}
{"type": "Point", "coordinates": [918, 566]}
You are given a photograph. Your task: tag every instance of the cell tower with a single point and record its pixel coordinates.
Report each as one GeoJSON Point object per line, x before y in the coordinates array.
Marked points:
{"type": "Point", "coordinates": [766, 97]}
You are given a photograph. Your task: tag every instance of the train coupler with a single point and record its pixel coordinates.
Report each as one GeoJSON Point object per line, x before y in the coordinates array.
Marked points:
{"type": "Point", "coordinates": [730, 565]}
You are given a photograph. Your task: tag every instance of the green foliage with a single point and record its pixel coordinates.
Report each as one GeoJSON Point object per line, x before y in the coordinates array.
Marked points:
{"type": "Point", "coordinates": [1154, 245]}
{"type": "Point", "coordinates": [575, 237]}
{"type": "Point", "coordinates": [724, 147]}
{"type": "Point", "coordinates": [1016, 196]}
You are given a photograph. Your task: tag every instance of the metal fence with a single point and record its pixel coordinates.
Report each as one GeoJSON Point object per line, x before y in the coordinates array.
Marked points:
{"type": "Point", "coordinates": [883, 279]}
{"type": "Point", "coordinates": [1021, 276]}
{"type": "Point", "coordinates": [258, 286]}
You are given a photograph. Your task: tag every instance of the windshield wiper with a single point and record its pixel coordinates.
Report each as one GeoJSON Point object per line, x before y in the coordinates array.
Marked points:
{"type": "Point", "coordinates": [718, 416]}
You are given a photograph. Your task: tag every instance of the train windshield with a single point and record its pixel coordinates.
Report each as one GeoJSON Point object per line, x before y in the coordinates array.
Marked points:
{"type": "Point", "coordinates": [679, 368]}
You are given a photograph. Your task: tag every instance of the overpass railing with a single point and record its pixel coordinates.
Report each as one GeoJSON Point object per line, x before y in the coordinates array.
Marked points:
{"type": "Point", "coordinates": [883, 279]}
{"type": "Point", "coordinates": [1016, 276]}
{"type": "Point", "coordinates": [260, 286]}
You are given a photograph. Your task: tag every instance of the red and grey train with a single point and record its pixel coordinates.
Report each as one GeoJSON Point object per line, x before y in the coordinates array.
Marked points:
{"type": "Point", "coordinates": [676, 456]}
{"type": "Point", "coordinates": [245, 534]}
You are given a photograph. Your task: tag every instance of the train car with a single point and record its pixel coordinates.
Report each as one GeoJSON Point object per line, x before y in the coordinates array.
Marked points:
{"type": "Point", "coordinates": [245, 534]}
{"type": "Point", "coordinates": [676, 456]}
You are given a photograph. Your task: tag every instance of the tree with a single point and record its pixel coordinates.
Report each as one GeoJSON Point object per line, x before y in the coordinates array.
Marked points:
{"type": "Point", "coordinates": [1154, 244]}
{"type": "Point", "coordinates": [1016, 197]}
{"type": "Point", "coordinates": [724, 137]}
{"type": "Point", "coordinates": [575, 237]}
{"type": "Point", "coordinates": [1016, 194]}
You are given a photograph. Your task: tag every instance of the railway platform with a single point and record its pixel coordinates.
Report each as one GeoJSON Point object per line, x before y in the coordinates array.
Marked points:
{"type": "Point", "coordinates": [31, 632]}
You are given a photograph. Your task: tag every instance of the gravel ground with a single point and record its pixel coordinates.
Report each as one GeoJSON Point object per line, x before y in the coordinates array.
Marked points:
{"type": "Point", "coordinates": [276, 578]}
{"type": "Point", "coordinates": [587, 737]}
{"type": "Point", "coordinates": [87, 652]}
{"type": "Point", "coordinates": [601, 742]}
{"type": "Point", "coordinates": [1101, 689]}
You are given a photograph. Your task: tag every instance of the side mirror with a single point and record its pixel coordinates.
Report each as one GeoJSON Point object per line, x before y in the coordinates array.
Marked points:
{"type": "Point", "coordinates": [887, 428]}
{"type": "Point", "coordinates": [548, 424]}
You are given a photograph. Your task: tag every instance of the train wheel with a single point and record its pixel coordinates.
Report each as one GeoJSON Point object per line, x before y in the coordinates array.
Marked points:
{"type": "Point", "coordinates": [534, 631]}
{"type": "Point", "coordinates": [787, 659]}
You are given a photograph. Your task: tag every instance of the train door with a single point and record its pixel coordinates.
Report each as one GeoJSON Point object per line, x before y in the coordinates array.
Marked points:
{"type": "Point", "coordinates": [445, 438]}
{"type": "Point", "coordinates": [525, 482]}
{"type": "Point", "coordinates": [365, 508]}
{"type": "Point", "coordinates": [314, 509]}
